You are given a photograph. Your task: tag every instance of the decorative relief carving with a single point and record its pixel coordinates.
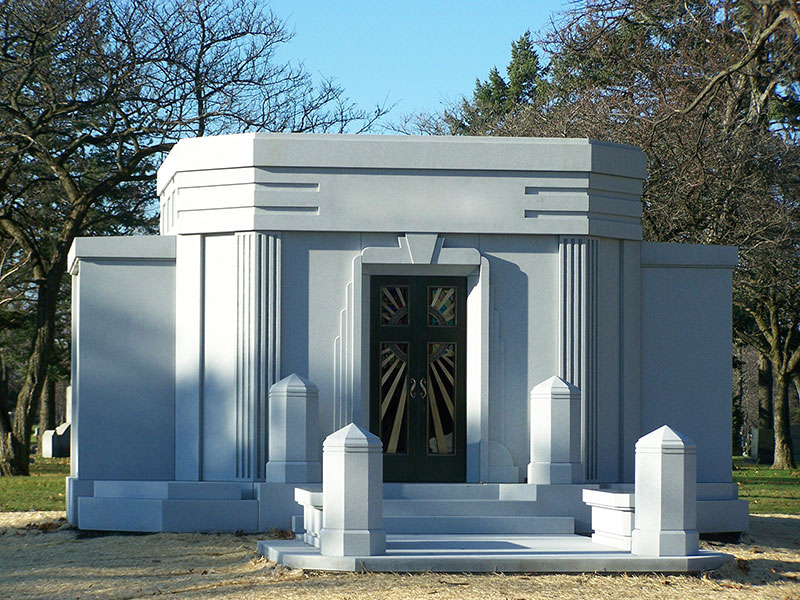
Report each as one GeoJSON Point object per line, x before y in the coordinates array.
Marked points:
{"type": "Point", "coordinates": [343, 365]}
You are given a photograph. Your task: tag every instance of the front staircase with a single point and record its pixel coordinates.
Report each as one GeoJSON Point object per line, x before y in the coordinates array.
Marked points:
{"type": "Point", "coordinates": [463, 509]}
{"type": "Point", "coordinates": [441, 508]}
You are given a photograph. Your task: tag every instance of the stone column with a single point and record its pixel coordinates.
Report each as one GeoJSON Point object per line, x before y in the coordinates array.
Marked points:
{"type": "Point", "coordinates": [293, 432]}
{"type": "Point", "coordinates": [666, 495]}
{"type": "Point", "coordinates": [352, 494]}
{"type": "Point", "coordinates": [555, 431]}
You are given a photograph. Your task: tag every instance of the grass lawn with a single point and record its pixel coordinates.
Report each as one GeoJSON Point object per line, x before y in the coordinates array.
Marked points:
{"type": "Point", "coordinates": [43, 490]}
{"type": "Point", "coordinates": [768, 490]}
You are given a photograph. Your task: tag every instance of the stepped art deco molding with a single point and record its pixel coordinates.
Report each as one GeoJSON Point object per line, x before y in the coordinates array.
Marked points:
{"type": "Point", "coordinates": [419, 289]}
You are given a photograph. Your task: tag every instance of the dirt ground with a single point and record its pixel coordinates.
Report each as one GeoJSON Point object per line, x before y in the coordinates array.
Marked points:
{"type": "Point", "coordinates": [42, 557]}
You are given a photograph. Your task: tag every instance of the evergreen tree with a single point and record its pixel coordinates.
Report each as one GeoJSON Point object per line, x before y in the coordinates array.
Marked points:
{"type": "Point", "coordinates": [710, 90]}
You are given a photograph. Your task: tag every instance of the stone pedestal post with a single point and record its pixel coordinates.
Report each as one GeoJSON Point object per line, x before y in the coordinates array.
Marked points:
{"type": "Point", "coordinates": [555, 414]}
{"type": "Point", "coordinates": [293, 432]}
{"type": "Point", "coordinates": [352, 494]}
{"type": "Point", "coordinates": [666, 495]}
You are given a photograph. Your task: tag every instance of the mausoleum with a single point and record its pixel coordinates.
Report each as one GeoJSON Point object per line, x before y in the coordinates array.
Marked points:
{"type": "Point", "coordinates": [486, 307]}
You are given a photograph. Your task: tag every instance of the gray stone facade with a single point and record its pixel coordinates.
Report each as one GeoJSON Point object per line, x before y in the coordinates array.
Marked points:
{"type": "Point", "coordinates": [268, 249]}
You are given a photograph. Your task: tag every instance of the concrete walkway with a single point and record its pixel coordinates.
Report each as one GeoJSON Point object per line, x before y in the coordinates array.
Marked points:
{"type": "Point", "coordinates": [489, 553]}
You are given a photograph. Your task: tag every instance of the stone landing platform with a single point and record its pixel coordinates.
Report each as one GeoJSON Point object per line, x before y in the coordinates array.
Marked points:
{"type": "Point", "coordinates": [490, 553]}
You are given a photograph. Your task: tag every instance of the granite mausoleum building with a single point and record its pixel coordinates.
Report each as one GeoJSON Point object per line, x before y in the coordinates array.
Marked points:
{"type": "Point", "coordinates": [485, 306]}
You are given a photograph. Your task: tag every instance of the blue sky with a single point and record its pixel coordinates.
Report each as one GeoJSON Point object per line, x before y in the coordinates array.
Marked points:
{"type": "Point", "coordinates": [418, 54]}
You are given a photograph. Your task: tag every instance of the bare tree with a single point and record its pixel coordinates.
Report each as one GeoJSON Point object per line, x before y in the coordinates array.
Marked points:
{"type": "Point", "coordinates": [92, 94]}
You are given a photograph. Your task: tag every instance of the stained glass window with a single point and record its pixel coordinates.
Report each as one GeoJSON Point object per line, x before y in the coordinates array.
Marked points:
{"type": "Point", "coordinates": [440, 388]}
{"type": "Point", "coordinates": [394, 305]}
{"type": "Point", "coordinates": [394, 397]}
{"type": "Point", "coordinates": [442, 306]}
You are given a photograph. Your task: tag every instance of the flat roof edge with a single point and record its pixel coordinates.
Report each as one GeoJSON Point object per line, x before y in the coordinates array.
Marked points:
{"type": "Point", "coordinates": [665, 255]}
{"type": "Point", "coordinates": [344, 151]}
{"type": "Point", "coordinates": [135, 247]}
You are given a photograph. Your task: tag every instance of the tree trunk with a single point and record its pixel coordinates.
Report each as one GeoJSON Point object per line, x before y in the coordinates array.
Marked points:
{"type": "Point", "coordinates": [796, 380]}
{"type": "Point", "coordinates": [47, 409]}
{"type": "Point", "coordinates": [15, 444]}
{"type": "Point", "coordinates": [3, 383]}
{"type": "Point", "coordinates": [783, 458]}
{"type": "Point", "coordinates": [61, 401]}
{"type": "Point", "coordinates": [764, 392]}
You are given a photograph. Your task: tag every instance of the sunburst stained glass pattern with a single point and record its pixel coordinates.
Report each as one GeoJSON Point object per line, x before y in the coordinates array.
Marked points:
{"type": "Point", "coordinates": [394, 397]}
{"type": "Point", "coordinates": [394, 305]}
{"type": "Point", "coordinates": [440, 388]}
{"type": "Point", "coordinates": [442, 306]}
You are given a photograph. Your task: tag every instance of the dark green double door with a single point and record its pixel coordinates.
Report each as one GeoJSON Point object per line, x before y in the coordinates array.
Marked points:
{"type": "Point", "coordinates": [417, 375]}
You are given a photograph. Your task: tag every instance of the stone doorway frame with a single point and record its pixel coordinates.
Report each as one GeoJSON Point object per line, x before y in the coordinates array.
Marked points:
{"type": "Point", "coordinates": [417, 254]}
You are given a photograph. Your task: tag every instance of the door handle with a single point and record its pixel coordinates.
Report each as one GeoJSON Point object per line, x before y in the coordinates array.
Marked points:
{"type": "Point", "coordinates": [423, 388]}
{"type": "Point", "coordinates": [413, 389]}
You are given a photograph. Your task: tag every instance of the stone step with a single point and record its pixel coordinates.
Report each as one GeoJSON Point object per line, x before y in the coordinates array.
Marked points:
{"type": "Point", "coordinates": [441, 491]}
{"type": "Point", "coordinates": [169, 490]}
{"type": "Point", "coordinates": [478, 525]}
{"type": "Point", "coordinates": [155, 515]}
{"type": "Point", "coordinates": [452, 507]}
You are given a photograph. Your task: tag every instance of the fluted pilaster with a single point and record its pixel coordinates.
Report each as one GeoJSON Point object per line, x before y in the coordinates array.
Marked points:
{"type": "Point", "coordinates": [257, 346]}
{"type": "Point", "coordinates": [578, 336]}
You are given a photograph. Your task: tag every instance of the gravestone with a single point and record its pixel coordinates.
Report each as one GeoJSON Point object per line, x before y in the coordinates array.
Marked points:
{"type": "Point", "coordinates": [55, 442]}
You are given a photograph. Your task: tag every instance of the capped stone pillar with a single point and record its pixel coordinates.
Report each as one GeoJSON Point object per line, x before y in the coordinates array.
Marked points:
{"type": "Point", "coordinates": [293, 431]}
{"type": "Point", "coordinates": [666, 495]}
{"type": "Point", "coordinates": [352, 494]}
{"type": "Point", "coordinates": [555, 431]}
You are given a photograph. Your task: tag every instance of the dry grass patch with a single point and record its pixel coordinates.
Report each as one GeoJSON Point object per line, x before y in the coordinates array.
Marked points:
{"type": "Point", "coordinates": [41, 557]}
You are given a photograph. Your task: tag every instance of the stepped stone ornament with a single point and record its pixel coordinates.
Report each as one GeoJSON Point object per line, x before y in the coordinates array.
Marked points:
{"type": "Point", "coordinates": [666, 495]}
{"type": "Point", "coordinates": [293, 431]}
{"type": "Point", "coordinates": [555, 408]}
{"type": "Point", "coordinates": [352, 494]}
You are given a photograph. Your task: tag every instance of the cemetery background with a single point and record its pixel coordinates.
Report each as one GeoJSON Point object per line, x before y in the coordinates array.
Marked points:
{"type": "Point", "coordinates": [698, 137]}
{"type": "Point", "coordinates": [16, 331]}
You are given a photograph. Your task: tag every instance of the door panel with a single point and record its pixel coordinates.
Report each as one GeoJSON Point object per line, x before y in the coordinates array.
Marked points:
{"type": "Point", "coordinates": [417, 374]}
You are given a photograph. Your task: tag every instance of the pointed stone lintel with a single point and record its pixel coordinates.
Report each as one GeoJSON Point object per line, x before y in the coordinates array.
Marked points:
{"type": "Point", "coordinates": [352, 437]}
{"type": "Point", "coordinates": [555, 386]}
{"type": "Point", "coordinates": [293, 385]}
{"type": "Point", "coordinates": [666, 439]}
{"type": "Point", "coordinates": [421, 247]}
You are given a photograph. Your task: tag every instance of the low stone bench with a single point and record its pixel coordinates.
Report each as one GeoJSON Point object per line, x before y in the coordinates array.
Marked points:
{"type": "Point", "coordinates": [310, 498]}
{"type": "Point", "coordinates": [612, 517]}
